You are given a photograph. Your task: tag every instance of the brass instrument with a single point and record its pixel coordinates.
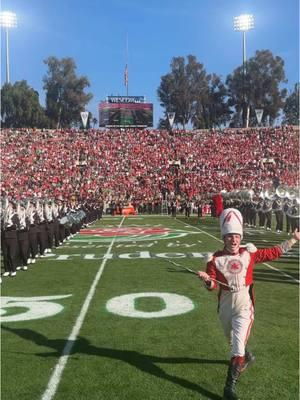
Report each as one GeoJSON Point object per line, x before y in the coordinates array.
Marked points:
{"type": "Point", "coordinates": [293, 194]}
{"type": "Point", "coordinates": [270, 194]}
{"type": "Point", "coordinates": [281, 191]}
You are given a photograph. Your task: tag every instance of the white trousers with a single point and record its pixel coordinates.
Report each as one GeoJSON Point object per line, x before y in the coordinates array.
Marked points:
{"type": "Point", "coordinates": [236, 314]}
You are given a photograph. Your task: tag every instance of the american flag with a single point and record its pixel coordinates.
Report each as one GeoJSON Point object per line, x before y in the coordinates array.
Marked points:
{"type": "Point", "coordinates": [126, 76]}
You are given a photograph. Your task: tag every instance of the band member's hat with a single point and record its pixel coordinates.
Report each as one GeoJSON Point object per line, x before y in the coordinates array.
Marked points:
{"type": "Point", "coordinates": [231, 221]}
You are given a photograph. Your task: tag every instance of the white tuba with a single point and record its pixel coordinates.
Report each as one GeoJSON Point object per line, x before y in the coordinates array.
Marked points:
{"type": "Point", "coordinates": [270, 194]}
{"type": "Point", "coordinates": [293, 194]}
{"type": "Point", "coordinates": [281, 191]}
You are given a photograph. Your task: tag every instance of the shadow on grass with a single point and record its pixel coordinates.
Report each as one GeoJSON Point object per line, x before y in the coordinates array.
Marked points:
{"type": "Point", "coordinates": [143, 362]}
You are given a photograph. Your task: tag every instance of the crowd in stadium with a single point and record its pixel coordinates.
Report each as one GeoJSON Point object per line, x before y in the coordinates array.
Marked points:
{"type": "Point", "coordinates": [145, 165]}
{"type": "Point", "coordinates": [56, 182]}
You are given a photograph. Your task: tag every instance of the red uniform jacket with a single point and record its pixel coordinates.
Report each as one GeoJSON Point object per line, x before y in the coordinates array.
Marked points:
{"type": "Point", "coordinates": [237, 270]}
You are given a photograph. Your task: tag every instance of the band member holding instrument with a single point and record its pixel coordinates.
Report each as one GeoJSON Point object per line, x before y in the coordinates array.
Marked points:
{"type": "Point", "coordinates": [41, 228]}
{"type": "Point", "coordinates": [10, 225]}
{"type": "Point", "coordinates": [295, 215]}
{"type": "Point", "coordinates": [277, 207]}
{"type": "Point", "coordinates": [287, 208]}
{"type": "Point", "coordinates": [33, 228]}
{"type": "Point", "coordinates": [48, 213]}
{"type": "Point", "coordinates": [23, 235]}
{"type": "Point", "coordinates": [267, 210]}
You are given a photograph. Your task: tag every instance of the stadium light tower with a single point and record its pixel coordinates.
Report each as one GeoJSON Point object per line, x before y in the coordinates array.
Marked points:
{"type": "Point", "coordinates": [7, 20]}
{"type": "Point", "coordinates": [244, 23]}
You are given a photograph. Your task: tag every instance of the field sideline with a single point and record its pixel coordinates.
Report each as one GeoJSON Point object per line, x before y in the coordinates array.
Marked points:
{"type": "Point", "coordinates": [108, 317]}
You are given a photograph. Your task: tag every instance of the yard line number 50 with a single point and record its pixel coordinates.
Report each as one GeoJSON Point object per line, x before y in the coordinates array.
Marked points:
{"type": "Point", "coordinates": [126, 306]}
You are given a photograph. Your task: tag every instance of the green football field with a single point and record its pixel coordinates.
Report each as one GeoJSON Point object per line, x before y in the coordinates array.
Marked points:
{"type": "Point", "coordinates": [108, 317]}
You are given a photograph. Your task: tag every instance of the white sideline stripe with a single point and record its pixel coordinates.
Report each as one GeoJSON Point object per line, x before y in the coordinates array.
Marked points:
{"type": "Point", "coordinates": [59, 368]}
{"type": "Point", "coordinates": [267, 265]}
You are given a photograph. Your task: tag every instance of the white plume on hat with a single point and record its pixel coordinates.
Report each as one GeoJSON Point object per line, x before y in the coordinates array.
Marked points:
{"type": "Point", "coordinates": [231, 221]}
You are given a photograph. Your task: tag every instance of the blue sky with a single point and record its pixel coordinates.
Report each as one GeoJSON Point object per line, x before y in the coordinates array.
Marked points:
{"type": "Point", "coordinates": [93, 33]}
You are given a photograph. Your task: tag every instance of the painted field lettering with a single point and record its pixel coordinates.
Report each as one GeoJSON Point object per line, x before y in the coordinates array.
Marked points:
{"type": "Point", "coordinates": [174, 304]}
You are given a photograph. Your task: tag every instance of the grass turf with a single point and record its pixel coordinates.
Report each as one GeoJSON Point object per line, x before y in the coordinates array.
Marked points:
{"type": "Point", "coordinates": [116, 357]}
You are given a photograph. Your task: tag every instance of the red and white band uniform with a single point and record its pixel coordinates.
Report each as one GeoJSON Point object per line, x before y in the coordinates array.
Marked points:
{"type": "Point", "coordinates": [236, 300]}
{"type": "Point", "coordinates": [232, 270]}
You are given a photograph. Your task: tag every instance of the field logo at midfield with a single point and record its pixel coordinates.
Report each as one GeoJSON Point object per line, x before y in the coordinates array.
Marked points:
{"type": "Point", "coordinates": [126, 234]}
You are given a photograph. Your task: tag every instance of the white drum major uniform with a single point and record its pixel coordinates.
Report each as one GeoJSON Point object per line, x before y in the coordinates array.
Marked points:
{"type": "Point", "coordinates": [233, 268]}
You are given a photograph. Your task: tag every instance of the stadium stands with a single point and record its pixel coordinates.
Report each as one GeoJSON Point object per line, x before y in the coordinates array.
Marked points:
{"type": "Point", "coordinates": [145, 165]}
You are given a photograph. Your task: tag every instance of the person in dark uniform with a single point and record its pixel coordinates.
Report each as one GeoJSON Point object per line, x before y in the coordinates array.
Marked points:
{"type": "Point", "coordinates": [173, 208]}
{"type": "Point", "coordinates": [55, 213]}
{"type": "Point", "coordinates": [287, 209]}
{"type": "Point", "coordinates": [199, 209]}
{"type": "Point", "coordinates": [23, 236]}
{"type": "Point", "coordinates": [267, 210]}
{"type": "Point", "coordinates": [188, 209]}
{"type": "Point", "coordinates": [295, 215]}
{"type": "Point", "coordinates": [252, 212]}
{"type": "Point", "coordinates": [33, 228]}
{"type": "Point", "coordinates": [41, 229]}
{"type": "Point", "coordinates": [244, 210]}
{"type": "Point", "coordinates": [112, 207]}
{"type": "Point", "coordinates": [48, 212]}
{"type": "Point", "coordinates": [261, 214]}
{"type": "Point", "coordinates": [61, 219]}
{"type": "Point", "coordinates": [278, 211]}
{"type": "Point", "coordinates": [10, 249]}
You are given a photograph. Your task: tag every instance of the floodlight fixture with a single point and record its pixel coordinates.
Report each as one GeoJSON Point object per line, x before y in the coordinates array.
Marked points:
{"type": "Point", "coordinates": [243, 22]}
{"type": "Point", "coordinates": [8, 20]}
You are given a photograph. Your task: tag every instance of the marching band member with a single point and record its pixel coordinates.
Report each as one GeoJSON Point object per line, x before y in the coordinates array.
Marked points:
{"type": "Point", "coordinates": [23, 235]}
{"type": "Point", "coordinates": [55, 214]}
{"type": "Point", "coordinates": [252, 212]}
{"type": "Point", "coordinates": [41, 229]}
{"type": "Point", "coordinates": [233, 268]}
{"type": "Point", "coordinates": [294, 215]}
{"type": "Point", "coordinates": [48, 212]}
{"type": "Point", "coordinates": [277, 207]}
{"type": "Point", "coordinates": [287, 208]}
{"type": "Point", "coordinates": [33, 228]}
{"type": "Point", "coordinates": [61, 214]}
{"type": "Point", "coordinates": [244, 210]}
{"type": "Point", "coordinates": [261, 214]}
{"type": "Point", "coordinates": [10, 224]}
{"type": "Point", "coordinates": [267, 210]}
{"type": "Point", "coordinates": [173, 208]}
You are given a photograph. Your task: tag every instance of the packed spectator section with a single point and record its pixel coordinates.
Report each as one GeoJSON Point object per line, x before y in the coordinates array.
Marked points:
{"type": "Point", "coordinates": [146, 165]}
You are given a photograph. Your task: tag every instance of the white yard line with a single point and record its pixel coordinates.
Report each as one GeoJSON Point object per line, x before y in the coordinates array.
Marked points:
{"type": "Point", "coordinates": [281, 272]}
{"type": "Point", "coordinates": [267, 265]}
{"type": "Point", "coordinates": [60, 366]}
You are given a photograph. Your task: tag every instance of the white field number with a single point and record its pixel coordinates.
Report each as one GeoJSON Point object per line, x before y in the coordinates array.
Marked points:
{"type": "Point", "coordinates": [125, 306]}
{"type": "Point", "coordinates": [174, 304]}
{"type": "Point", "coordinates": [36, 307]}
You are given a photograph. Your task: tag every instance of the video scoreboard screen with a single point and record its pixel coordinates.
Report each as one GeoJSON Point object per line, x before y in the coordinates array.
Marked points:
{"type": "Point", "coordinates": [125, 111]}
